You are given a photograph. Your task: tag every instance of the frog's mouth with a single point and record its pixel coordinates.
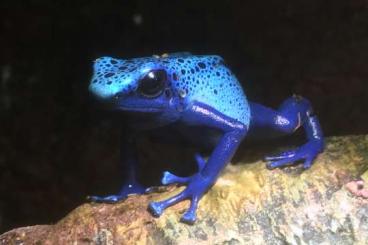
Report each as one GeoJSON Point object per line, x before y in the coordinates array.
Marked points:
{"type": "Point", "coordinates": [139, 105]}
{"type": "Point", "coordinates": [138, 109]}
{"type": "Point", "coordinates": [135, 103]}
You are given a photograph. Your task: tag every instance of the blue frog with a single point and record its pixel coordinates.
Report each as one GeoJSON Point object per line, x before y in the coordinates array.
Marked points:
{"type": "Point", "coordinates": [196, 91]}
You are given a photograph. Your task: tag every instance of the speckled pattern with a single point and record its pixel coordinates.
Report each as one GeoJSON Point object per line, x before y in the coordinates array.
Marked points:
{"type": "Point", "coordinates": [202, 78]}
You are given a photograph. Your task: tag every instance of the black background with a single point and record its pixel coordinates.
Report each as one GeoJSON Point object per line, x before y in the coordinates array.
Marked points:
{"type": "Point", "coordinates": [55, 148]}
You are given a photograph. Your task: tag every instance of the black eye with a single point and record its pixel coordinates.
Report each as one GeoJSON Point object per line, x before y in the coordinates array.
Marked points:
{"type": "Point", "coordinates": [152, 84]}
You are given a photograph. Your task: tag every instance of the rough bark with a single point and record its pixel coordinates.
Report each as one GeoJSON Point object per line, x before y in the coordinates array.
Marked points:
{"type": "Point", "coordinates": [249, 204]}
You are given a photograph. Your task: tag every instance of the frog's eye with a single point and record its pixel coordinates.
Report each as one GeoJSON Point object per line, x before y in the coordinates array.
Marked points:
{"type": "Point", "coordinates": [152, 84]}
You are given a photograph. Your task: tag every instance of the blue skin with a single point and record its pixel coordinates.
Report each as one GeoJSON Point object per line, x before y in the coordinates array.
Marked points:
{"type": "Point", "coordinates": [196, 91]}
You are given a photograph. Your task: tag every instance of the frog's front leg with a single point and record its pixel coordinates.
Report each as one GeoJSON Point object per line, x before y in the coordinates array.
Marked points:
{"type": "Point", "coordinates": [199, 183]}
{"type": "Point", "coordinates": [293, 113]}
{"type": "Point", "coordinates": [129, 164]}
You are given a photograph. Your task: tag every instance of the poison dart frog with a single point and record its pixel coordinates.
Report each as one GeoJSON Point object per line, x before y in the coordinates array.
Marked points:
{"type": "Point", "coordinates": [196, 91]}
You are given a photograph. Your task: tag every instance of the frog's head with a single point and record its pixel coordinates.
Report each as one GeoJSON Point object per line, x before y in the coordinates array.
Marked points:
{"type": "Point", "coordinates": [139, 84]}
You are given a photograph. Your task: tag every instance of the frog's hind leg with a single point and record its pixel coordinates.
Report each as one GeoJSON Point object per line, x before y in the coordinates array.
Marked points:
{"type": "Point", "coordinates": [129, 164]}
{"type": "Point", "coordinates": [293, 113]}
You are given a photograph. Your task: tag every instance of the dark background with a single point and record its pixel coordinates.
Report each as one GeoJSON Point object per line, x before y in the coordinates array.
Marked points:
{"type": "Point", "coordinates": [56, 148]}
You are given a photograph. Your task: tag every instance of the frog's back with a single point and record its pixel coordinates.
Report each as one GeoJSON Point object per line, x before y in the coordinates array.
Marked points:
{"type": "Point", "coordinates": [206, 79]}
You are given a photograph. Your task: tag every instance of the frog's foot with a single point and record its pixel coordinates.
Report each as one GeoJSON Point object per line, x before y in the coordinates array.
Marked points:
{"type": "Point", "coordinates": [306, 153]}
{"type": "Point", "coordinates": [127, 189]}
{"type": "Point", "coordinates": [196, 186]}
{"type": "Point", "coordinates": [189, 216]}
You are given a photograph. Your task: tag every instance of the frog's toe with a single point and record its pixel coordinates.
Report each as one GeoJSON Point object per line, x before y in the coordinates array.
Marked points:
{"type": "Point", "coordinates": [169, 178]}
{"type": "Point", "coordinates": [306, 153]}
{"type": "Point", "coordinates": [156, 208]}
{"type": "Point", "coordinates": [308, 162]}
{"type": "Point", "coordinates": [200, 161]}
{"type": "Point", "coordinates": [280, 160]}
{"type": "Point", "coordinates": [126, 190]}
{"type": "Point", "coordinates": [197, 185]}
{"type": "Point", "coordinates": [280, 163]}
{"type": "Point", "coordinates": [190, 215]}
{"type": "Point", "coordinates": [283, 155]}
{"type": "Point", "coordinates": [290, 161]}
